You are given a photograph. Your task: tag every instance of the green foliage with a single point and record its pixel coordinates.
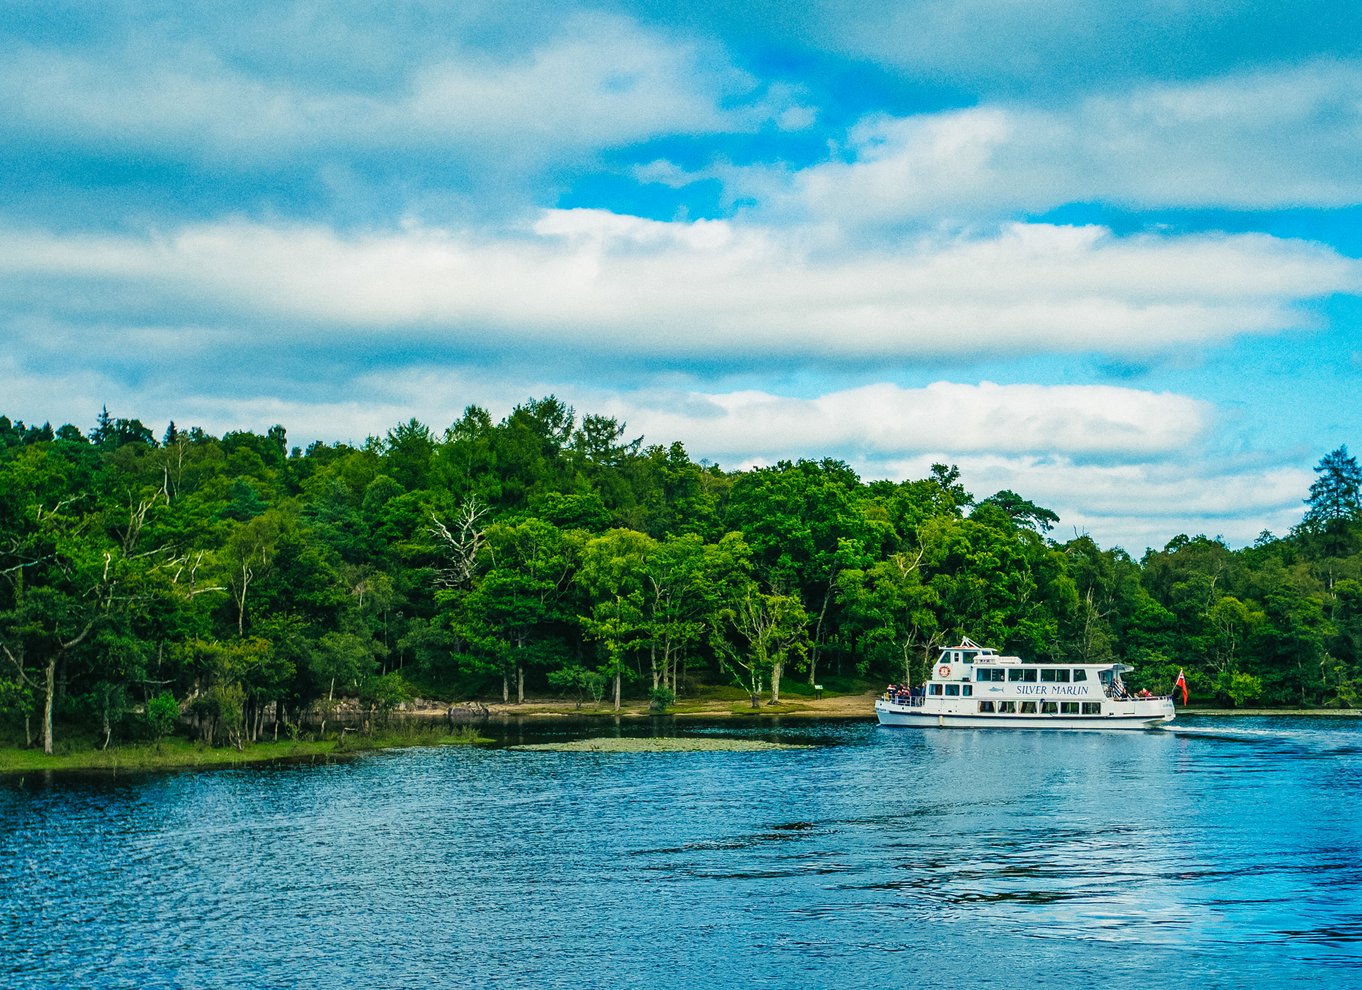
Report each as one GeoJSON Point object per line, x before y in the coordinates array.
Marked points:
{"type": "Point", "coordinates": [162, 713]}
{"type": "Point", "coordinates": [660, 700]}
{"type": "Point", "coordinates": [581, 682]}
{"type": "Point", "coordinates": [1238, 688]}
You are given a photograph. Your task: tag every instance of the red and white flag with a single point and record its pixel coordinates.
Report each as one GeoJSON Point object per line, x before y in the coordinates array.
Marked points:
{"type": "Point", "coordinates": [1182, 683]}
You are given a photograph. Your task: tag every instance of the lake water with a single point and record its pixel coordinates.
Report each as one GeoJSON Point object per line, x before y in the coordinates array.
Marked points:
{"type": "Point", "coordinates": [1225, 853]}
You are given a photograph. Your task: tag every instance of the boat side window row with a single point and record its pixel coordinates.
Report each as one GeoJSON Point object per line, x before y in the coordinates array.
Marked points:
{"type": "Point", "coordinates": [1040, 707]}
{"type": "Point", "coordinates": [951, 690]}
{"type": "Point", "coordinates": [1047, 675]}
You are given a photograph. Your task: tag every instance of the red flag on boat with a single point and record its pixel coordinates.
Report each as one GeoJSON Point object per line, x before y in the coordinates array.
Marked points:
{"type": "Point", "coordinates": [1182, 683]}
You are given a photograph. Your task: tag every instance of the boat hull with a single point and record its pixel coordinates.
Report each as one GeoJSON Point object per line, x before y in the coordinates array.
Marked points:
{"type": "Point", "coordinates": [905, 716]}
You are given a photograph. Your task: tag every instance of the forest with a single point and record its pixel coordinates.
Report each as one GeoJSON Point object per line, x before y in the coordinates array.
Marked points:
{"type": "Point", "coordinates": [245, 585]}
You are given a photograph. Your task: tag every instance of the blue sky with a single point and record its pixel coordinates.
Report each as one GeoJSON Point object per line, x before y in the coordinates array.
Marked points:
{"type": "Point", "coordinates": [1103, 254]}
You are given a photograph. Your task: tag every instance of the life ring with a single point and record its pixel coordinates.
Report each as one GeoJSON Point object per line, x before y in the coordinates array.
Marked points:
{"type": "Point", "coordinates": [943, 671]}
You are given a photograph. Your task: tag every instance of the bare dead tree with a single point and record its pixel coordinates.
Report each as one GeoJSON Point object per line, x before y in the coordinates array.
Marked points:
{"type": "Point", "coordinates": [461, 543]}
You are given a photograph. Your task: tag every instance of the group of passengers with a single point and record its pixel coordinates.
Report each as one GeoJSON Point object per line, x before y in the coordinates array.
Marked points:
{"type": "Point", "coordinates": [902, 694]}
{"type": "Point", "coordinates": [1119, 692]}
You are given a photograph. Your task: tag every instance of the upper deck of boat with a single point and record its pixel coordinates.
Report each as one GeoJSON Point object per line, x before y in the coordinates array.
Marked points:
{"type": "Point", "coordinates": [969, 652]}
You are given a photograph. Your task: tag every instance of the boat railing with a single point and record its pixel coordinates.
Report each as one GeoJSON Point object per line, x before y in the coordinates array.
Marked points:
{"type": "Point", "coordinates": [905, 698]}
{"type": "Point", "coordinates": [1122, 694]}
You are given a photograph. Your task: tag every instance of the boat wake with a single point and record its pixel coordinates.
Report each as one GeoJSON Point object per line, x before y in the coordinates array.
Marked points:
{"type": "Point", "coordinates": [1310, 739]}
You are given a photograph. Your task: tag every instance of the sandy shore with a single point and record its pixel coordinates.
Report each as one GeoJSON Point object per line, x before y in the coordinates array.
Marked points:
{"type": "Point", "coordinates": [834, 706]}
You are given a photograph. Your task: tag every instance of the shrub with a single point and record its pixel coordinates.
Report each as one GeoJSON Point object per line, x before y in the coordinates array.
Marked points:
{"type": "Point", "coordinates": [660, 700]}
{"type": "Point", "coordinates": [163, 711]}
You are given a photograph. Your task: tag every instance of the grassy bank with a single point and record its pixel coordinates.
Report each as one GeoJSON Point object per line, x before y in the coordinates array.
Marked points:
{"type": "Point", "coordinates": [179, 754]}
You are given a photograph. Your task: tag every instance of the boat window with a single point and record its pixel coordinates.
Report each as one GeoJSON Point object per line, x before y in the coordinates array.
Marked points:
{"type": "Point", "coordinates": [967, 690]}
{"type": "Point", "coordinates": [1007, 707]}
{"type": "Point", "coordinates": [1068, 708]}
{"type": "Point", "coordinates": [933, 688]}
{"type": "Point", "coordinates": [1053, 674]}
{"type": "Point", "coordinates": [1092, 708]}
{"type": "Point", "coordinates": [985, 706]}
{"type": "Point", "coordinates": [1022, 674]}
{"type": "Point", "coordinates": [952, 690]}
{"type": "Point", "coordinates": [1049, 708]}
{"type": "Point", "coordinates": [1028, 708]}
{"type": "Point", "coordinates": [1080, 675]}
{"type": "Point", "coordinates": [989, 674]}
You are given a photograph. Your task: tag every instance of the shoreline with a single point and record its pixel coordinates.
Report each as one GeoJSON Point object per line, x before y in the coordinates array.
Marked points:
{"type": "Point", "coordinates": [833, 706]}
{"type": "Point", "coordinates": [1280, 712]}
{"type": "Point", "coordinates": [430, 726]}
{"type": "Point", "coordinates": [184, 754]}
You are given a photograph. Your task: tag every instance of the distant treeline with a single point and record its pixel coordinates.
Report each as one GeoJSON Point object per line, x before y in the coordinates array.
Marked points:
{"type": "Point", "coordinates": [244, 583]}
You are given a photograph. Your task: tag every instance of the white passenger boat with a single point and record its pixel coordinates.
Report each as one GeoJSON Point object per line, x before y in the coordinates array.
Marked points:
{"type": "Point", "coordinates": [973, 687]}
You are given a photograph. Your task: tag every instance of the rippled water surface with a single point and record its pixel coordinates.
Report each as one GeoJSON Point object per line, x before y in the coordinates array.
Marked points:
{"type": "Point", "coordinates": [1227, 852]}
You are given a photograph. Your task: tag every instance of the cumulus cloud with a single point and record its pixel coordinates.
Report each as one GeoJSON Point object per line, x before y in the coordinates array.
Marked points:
{"type": "Point", "coordinates": [1132, 467]}
{"type": "Point", "coordinates": [884, 423]}
{"type": "Point", "coordinates": [590, 281]}
{"type": "Point", "coordinates": [1124, 465]}
{"type": "Point", "coordinates": [597, 82]}
{"type": "Point", "coordinates": [1144, 502]}
{"type": "Point", "coordinates": [1256, 140]}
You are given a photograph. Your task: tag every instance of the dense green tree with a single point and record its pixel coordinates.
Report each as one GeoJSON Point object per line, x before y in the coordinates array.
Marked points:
{"type": "Point", "coordinates": [804, 523]}
{"type": "Point", "coordinates": [612, 572]}
{"type": "Point", "coordinates": [756, 634]}
{"type": "Point", "coordinates": [892, 617]}
{"type": "Point", "coordinates": [1334, 503]}
{"type": "Point", "coordinates": [1022, 511]}
{"type": "Point", "coordinates": [518, 597]}
{"type": "Point", "coordinates": [261, 587]}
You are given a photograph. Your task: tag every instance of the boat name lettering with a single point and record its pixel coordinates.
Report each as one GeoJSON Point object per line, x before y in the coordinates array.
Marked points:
{"type": "Point", "coordinates": [1072, 690]}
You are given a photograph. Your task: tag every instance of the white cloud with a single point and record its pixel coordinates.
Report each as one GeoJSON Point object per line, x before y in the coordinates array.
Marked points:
{"type": "Point", "coordinates": [1124, 465]}
{"type": "Point", "coordinates": [1260, 140]}
{"type": "Point", "coordinates": [592, 281]}
{"type": "Point", "coordinates": [598, 82]}
{"type": "Point", "coordinates": [884, 424]}
{"type": "Point", "coordinates": [1145, 502]}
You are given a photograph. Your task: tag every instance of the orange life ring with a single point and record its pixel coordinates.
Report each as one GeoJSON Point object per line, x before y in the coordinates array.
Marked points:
{"type": "Point", "coordinates": [943, 671]}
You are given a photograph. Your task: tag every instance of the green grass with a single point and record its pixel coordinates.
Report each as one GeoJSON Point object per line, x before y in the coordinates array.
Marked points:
{"type": "Point", "coordinates": [177, 754]}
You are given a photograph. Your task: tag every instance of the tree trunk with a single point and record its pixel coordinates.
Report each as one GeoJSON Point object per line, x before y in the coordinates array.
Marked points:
{"type": "Point", "coordinates": [776, 670]}
{"type": "Point", "coordinates": [617, 689]}
{"type": "Point", "coordinates": [330, 694]}
{"type": "Point", "coordinates": [818, 631]}
{"type": "Point", "coordinates": [49, 688]}
{"type": "Point", "coordinates": [505, 688]}
{"type": "Point", "coordinates": [519, 684]}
